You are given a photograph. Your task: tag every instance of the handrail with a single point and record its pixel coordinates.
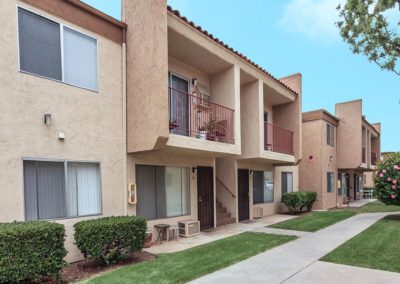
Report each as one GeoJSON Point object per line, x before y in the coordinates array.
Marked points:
{"type": "Point", "coordinates": [197, 98]}
{"type": "Point", "coordinates": [224, 186]}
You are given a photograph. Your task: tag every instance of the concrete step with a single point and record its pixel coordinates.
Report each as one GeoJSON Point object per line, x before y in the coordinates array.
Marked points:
{"type": "Point", "coordinates": [225, 221]}
{"type": "Point", "coordinates": [223, 215]}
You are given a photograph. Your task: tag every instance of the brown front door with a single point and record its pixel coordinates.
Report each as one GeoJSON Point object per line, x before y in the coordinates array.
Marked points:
{"type": "Point", "coordinates": [205, 197]}
{"type": "Point", "coordinates": [243, 194]}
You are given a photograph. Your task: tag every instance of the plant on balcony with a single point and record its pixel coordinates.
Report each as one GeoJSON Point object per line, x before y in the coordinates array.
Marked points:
{"type": "Point", "coordinates": [210, 127]}
{"type": "Point", "coordinates": [387, 180]}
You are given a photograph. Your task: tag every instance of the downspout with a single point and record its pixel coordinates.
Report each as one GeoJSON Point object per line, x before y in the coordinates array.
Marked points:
{"type": "Point", "coordinates": [124, 143]}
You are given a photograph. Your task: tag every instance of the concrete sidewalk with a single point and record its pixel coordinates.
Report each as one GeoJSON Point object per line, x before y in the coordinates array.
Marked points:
{"type": "Point", "coordinates": [326, 272]}
{"type": "Point", "coordinates": [281, 263]}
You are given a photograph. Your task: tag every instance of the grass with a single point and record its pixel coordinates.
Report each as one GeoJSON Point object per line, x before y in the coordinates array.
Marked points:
{"type": "Point", "coordinates": [377, 247]}
{"type": "Point", "coordinates": [314, 221]}
{"type": "Point", "coordinates": [377, 207]}
{"type": "Point", "coordinates": [318, 220]}
{"type": "Point", "coordinates": [181, 267]}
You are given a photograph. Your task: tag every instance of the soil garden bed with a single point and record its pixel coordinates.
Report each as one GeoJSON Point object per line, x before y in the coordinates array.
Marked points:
{"type": "Point", "coordinates": [88, 268]}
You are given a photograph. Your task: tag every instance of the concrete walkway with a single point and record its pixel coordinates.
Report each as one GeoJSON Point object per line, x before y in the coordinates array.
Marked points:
{"type": "Point", "coordinates": [224, 232]}
{"type": "Point", "coordinates": [280, 264]}
{"type": "Point", "coordinates": [326, 272]}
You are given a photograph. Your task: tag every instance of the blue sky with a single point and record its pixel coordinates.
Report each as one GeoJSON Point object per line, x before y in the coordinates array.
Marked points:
{"type": "Point", "coordinates": [290, 36]}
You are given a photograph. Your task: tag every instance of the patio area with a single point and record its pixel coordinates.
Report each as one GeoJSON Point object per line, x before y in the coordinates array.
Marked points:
{"type": "Point", "coordinates": [256, 225]}
{"type": "Point", "coordinates": [360, 202]}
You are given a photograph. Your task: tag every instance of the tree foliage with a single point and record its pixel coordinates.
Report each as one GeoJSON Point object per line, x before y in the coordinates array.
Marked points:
{"type": "Point", "coordinates": [365, 26]}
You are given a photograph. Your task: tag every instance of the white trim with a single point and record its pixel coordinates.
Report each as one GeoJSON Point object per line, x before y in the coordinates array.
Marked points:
{"type": "Point", "coordinates": [62, 25]}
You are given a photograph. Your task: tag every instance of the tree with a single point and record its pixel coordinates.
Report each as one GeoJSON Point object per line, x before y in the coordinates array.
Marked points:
{"type": "Point", "coordinates": [387, 180]}
{"type": "Point", "coordinates": [365, 27]}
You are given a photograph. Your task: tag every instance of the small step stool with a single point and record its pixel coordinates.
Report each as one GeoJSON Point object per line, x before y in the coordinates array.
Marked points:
{"type": "Point", "coordinates": [175, 232]}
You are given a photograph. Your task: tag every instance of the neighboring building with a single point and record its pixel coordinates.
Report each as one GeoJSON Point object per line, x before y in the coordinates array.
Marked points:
{"type": "Point", "coordinates": [339, 151]}
{"type": "Point", "coordinates": [61, 129]}
{"type": "Point", "coordinates": [196, 129]}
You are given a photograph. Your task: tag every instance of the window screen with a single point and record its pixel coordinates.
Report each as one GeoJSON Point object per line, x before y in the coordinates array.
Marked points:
{"type": "Point", "coordinates": [61, 189]}
{"type": "Point", "coordinates": [263, 187]}
{"type": "Point", "coordinates": [162, 191]}
{"type": "Point", "coordinates": [40, 51]}
{"type": "Point", "coordinates": [330, 178]}
{"type": "Point", "coordinates": [287, 182]}
{"type": "Point", "coordinates": [39, 45]}
{"type": "Point", "coordinates": [330, 134]}
{"type": "Point", "coordinates": [80, 59]}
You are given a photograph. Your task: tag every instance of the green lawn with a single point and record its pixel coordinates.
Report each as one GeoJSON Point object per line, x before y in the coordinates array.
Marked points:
{"type": "Point", "coordinates": [193, 263]}
{"type": "Point", "coordinates": [318, 220]}
{"type": "Point", "coordinates": [377, 247]}
{"type": "Point", "coordinates": [314, 221]}
{"type": "Point", "coordinates": [377, 207]}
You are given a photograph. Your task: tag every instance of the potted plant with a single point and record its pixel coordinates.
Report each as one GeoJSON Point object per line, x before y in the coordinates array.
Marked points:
{"type": "Point", "coordinates": [202, 133]}
{"type": "Point", "coordinates": [148, 239]}
{"type": "Point", "coordinates": [210, 129]}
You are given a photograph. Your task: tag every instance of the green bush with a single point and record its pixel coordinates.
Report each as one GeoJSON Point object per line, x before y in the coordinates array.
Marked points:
{"type": "Point", "coordinates": [31, 250]}
{"type": "Point", "coordinates": [108, 240]}
{"type": "Point", "coordinates": [387, 180]}
{"type": "Point", "coordinates": [297, 201]}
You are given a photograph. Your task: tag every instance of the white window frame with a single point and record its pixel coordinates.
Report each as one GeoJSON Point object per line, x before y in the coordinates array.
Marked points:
{"type": "Point", "coordinates": [65, 161]}
{"type": "Point", "coordinates": [62, 25]}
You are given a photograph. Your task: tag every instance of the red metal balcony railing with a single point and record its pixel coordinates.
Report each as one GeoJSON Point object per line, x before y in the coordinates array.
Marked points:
{"type": "Point", "coordinates": [364, 156]}
{"type": "Point", "coordinates": [374, 158]}
{"type": "Point", "coordinates": [192, 116]}
{"type": "Point", "coordinates": [278, 139]}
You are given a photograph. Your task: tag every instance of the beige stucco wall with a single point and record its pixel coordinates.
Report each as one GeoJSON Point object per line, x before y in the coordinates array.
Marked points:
{"type": "Point", "coordinates": [368, 180]}
{"type": "Point", "coordinates": [92, 123]}
{"type": "Point", "coordinates": [159, 158]}
{"type": "Point", "coordinates": [319, 159]}
{"type": "Point", "coordinates": [289, 115]}
{"type": "Point", "coordinates": [147, 69]}
{"type": "Point", "coordinates": [349, 150]}
{"type": "Point", "coordinates": [250, 115]}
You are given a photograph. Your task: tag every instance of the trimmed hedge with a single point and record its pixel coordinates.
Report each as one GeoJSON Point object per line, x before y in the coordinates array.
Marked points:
{"type": "Point", "coordinates": [109, 239]}
{"type": "Point", "coordinates": [31, 250]}
{"type": "Point", "coordinates": [297, 201]}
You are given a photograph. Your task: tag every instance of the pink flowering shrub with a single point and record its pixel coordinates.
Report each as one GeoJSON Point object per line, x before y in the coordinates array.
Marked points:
{"type": "Point", "coordinates": [387, 180]}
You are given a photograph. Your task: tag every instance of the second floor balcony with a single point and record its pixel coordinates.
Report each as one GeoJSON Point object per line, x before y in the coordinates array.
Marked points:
{"type": "Point", "coordinates": [193, 116]}
{"type": "Point", "coordinates": [278, 139]}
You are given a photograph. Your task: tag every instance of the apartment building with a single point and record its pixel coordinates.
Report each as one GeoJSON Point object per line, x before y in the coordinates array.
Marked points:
{"type": "Point", "coordinates": [94, 109]}
{"type": "Point", "coordinates": [62, 140]}
{"type": "Point", "coordinates": [203, 108]}
{"type": "Point", "coordinates": [340, 151]}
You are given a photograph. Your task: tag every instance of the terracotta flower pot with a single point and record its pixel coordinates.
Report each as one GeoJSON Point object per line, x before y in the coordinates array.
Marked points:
{"type": "Point", "coordinates": [147, 241]}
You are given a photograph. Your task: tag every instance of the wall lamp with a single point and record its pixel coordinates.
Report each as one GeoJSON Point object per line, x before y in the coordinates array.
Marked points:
{"type": "Point", "coordinates": [194, 170]}
{"type": "Point", "coordinates": [47, 118]}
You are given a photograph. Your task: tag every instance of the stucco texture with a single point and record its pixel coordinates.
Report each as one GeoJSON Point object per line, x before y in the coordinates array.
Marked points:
{"type": "Point", "coordinates": [91, 122]}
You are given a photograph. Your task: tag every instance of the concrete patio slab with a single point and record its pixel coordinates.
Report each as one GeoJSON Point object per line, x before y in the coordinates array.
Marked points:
{"type": "Point", "coordinates": [281, 263]}
{"type": "Point", "coordinates": [220, 233]}
{"type": "Point", "coordinates": [360, 202]}
{"type": "Point", "coordinates": [326, 272]}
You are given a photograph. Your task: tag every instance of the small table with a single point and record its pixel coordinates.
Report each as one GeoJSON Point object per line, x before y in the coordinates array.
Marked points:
{"type": "Point", "coordinates": [163, 231]}
{"type": "Point", "coordinates": [175, 231]}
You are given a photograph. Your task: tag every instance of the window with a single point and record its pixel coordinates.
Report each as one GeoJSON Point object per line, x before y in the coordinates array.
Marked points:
{"type": "Point", "coordinates": [162, 191]}
{"type": "Point", "coordinates": [342, 184]}
{"type": "Point", "coordinates": [263, 187]}
{"type": "Point", "coordinates": [61, 189]}
{"type": "Point", "coordinates": [330, 178]}
{"type": "Point", "coordinates": [330, 134]}
{"type": "Point", "coordinates": [52, 50]}
{"type": "Point", "coordinates": [287, 182]}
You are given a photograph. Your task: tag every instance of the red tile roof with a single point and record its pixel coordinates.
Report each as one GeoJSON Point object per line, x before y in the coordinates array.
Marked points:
{"type": "Point", "coordinates": [220, 42]}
